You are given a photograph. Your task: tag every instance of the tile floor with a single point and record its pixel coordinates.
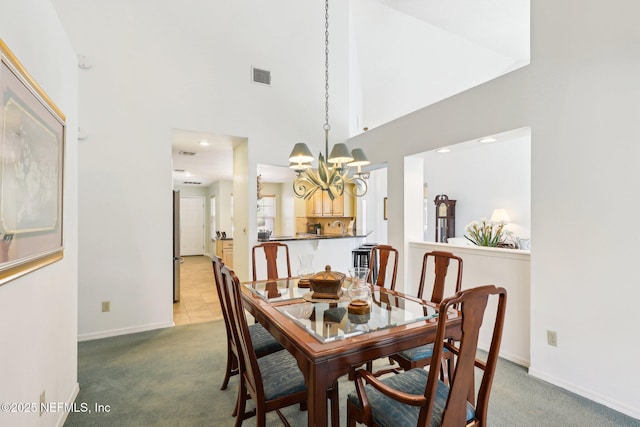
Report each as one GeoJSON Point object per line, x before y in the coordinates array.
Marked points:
{"type": "Point", "coordinates": [198, 297]}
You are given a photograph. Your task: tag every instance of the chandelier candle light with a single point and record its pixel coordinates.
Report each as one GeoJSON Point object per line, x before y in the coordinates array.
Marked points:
{"type": "Point", "coordinates": [331, 179]}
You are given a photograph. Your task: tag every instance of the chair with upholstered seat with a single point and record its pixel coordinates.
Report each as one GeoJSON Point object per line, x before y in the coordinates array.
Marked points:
{"type": "Point", "coordinates": [421, 356]}
{"type": "Point", "coordinates": [380, 257]}
{"type": "Point", "coordinates": [271, 251]}
{"type": "Point", "coordinates": [263, 342]}
{"type": "Point", "coordinates": [418, 397]}
{"type": "Point", "coordinates": [273, 381]}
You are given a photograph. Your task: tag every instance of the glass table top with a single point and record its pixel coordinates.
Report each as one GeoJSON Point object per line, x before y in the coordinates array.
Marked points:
{"type": "Point", "coordinates": [277, 290]}
{"type": "Point", "coordinates": [330, 321]}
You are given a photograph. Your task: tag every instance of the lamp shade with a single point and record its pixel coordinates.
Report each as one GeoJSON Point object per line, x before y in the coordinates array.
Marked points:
{"type": "Point", "coordinates": [300, 153]}
{"type": "Point", "coordinates": [299, 166]}
{"type": "Point", "coordinates": [500, 215]}
{"type": "Point", "coordinates": [340, 154]}
{"type": "Point", "coordinates": [359, 158]}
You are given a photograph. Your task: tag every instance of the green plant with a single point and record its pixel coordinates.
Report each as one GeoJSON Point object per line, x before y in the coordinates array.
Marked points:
{"type": "Point", "coordinates": [487, 233]}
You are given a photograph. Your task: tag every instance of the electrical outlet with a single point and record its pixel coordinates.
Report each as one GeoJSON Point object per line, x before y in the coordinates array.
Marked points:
{"type": "Point", "coordinates": [43, 401]}
{"type": "Point", "coordinates": [106, 306]}
{"type": "Point", "coordinates": [552, 338]}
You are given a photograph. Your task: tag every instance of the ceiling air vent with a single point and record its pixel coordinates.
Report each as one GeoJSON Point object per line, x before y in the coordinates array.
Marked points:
{"type": "Point", "coordinates": [179, 170]}
{"type": "Point", "coordinates": [187, 153]}
{"type": "Point", "coordinates": [192, 182]}
{"type": "Point", "coordinates": [261, 76]}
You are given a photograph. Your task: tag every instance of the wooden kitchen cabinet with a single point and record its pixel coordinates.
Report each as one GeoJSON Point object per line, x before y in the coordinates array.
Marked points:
{"type": "Point", "coordinates": [321, 205]}
{"type": "Point", "coordinates": [333, 207]}
{"type": "Point", "coordinates": [224, 249]}
{"type": "Point", "coordinates": [314, 204]}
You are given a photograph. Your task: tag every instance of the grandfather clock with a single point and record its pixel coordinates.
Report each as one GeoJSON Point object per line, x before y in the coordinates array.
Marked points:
{"type": "Point", "coordinates": [445, 218]}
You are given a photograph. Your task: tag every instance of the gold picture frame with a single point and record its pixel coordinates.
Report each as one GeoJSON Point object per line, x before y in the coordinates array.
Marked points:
{"type": "Point", "coordinates": [32, 132]}
{"type": "Point", "coordinates": [384, 208]}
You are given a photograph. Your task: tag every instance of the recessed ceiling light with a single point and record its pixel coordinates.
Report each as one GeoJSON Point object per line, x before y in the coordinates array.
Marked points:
{"type": "Point", "coordinates": [443, 150]}
{"type": "Point", "coordinates": [204, 142]}
{"type": "Point", "coordinates": [487, 140]}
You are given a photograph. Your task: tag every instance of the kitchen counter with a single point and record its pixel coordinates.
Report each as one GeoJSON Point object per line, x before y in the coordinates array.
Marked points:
{"type": "Point", "coordinates": [301, 236]}
{"type": "Point", "coordinates": [327, 249]}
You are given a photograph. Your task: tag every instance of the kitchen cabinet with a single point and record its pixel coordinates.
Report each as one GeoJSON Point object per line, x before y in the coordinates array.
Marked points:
{"type": "Point", "coordinates": [224, 249]}
{"type": "Point", "coordinates": [333, 207]}
{"type": "Point", "coordinates": [321, 205]}
{"type": "Point", "coordinates": [314, 204]}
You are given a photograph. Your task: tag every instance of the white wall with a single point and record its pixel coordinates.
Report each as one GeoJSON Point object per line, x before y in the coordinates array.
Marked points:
{"type": "Point", "coordinates": [506, 268]}
{"type": "Point", "coordinates": [150, 77]}
{"type": "Point", "coordinates": [223, 190]}
{"type": "Point", "coordinates": [579, 97]}
{"type": "Point", "coordinates": [287, 210]}
{"type": "Point", "coordinates": [387, 94]}
{"type": "Point", "coordinates": [38, 312]}
{"type": "Point", "coordinates": [482, 177]}
{"type": "Point", "coordinates": [375, 222]}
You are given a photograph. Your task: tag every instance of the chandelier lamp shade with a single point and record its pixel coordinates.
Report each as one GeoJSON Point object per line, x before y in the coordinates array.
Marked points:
{"type": "Point", "coordinates": [331, 175]}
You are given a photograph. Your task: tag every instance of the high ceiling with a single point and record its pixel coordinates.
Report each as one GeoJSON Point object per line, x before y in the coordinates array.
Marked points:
{"type": "Point", "coordinates": [410, 54]}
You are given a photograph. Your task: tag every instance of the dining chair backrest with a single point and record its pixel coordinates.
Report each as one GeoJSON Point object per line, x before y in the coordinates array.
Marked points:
{"type": "Point", "coordinates": [271, 250]}
{"type": "Point", "coordinates": [232, 349]}
{"type": "Point", "coordinates": [217, 264]}
{"type": "Point", "coordinates": [441, 261]}
{"type": "Point", "coordinates": [246, 354]}
{"type": "Point", "coordinates": [472, 304]}
{"type": "Point", "coordinates": [457, 403]}
{"type": "Point", "coordinates": [381, 256]}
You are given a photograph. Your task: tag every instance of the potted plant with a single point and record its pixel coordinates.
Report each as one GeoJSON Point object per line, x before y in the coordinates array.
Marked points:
{"type": "Point", "coordinates": [488, 233]}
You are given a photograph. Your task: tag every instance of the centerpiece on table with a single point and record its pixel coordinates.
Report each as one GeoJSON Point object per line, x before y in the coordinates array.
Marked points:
{"type": "Point", "coordinates": [327, 284]}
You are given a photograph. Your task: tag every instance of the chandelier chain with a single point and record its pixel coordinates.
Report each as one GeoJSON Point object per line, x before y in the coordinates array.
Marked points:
{"type": "Point", "coordinates": [331, 179]}
{"type": "Point", "coordinates": [326, 68]}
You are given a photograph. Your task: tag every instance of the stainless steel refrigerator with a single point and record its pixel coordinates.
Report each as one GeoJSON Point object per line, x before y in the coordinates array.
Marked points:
{"type": "Point", "coordinates": [176, 246]}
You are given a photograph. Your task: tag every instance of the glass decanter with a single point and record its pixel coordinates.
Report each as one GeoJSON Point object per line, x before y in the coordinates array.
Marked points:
{"type": "Point", "coordinates": [305, 271]}
{"type": "Point", "coordinates": [359, 289]}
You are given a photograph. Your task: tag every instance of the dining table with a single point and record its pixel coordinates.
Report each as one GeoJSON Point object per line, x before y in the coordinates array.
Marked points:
{"type": "Point", "coordinates": [328, 340]}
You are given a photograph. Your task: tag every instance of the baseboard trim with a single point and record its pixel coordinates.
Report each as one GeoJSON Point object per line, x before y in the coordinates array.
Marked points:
{"type": "Point", "coordinates": [508, 356]}
{"type": "Point", "coordinates": [72, 398]}
{"type": "Point", "coordinates": [515, 359]}
{"type": "Point", "coordinates": [124, 331]}
{"type": "Point", "coordinates": [588, 394]}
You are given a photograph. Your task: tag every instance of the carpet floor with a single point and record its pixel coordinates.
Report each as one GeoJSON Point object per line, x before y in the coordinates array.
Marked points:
{"type": "Point", "coordinates": [172, 377]}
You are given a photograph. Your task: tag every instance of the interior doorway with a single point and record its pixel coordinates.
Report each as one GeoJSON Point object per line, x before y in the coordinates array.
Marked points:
{"type": "Point", "coordinates": [192, 225]}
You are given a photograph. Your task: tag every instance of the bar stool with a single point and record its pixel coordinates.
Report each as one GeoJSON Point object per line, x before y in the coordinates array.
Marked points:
{"type": "Point", "coordinates": [361, 257]}
{"type": "Point", "coordinates": [367, 247]}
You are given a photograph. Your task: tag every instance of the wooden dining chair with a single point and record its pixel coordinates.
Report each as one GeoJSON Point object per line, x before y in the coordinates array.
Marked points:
{"type": "Point", "coordinates": [271, 250]}
{"type": "Point", "coordinates": [379, 262]}
{"type": "Point", "coordinates": [421, 356]}
{"type": "Point", "coordinates": [418, 397]}
{"type": "Point", "coordinates": [273, 381]}
{"type": "Point", "coordinates": [263, 342]}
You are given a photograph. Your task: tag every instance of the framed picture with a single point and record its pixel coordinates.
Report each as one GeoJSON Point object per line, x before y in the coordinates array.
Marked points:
{"type": "Point", "coordinates": [31, 172]}
{"type": "Point", "coordinates": [385, 208]}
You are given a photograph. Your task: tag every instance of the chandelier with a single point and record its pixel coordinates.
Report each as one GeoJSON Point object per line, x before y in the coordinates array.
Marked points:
{"type": "Point", "coordinates": [330, 178]}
